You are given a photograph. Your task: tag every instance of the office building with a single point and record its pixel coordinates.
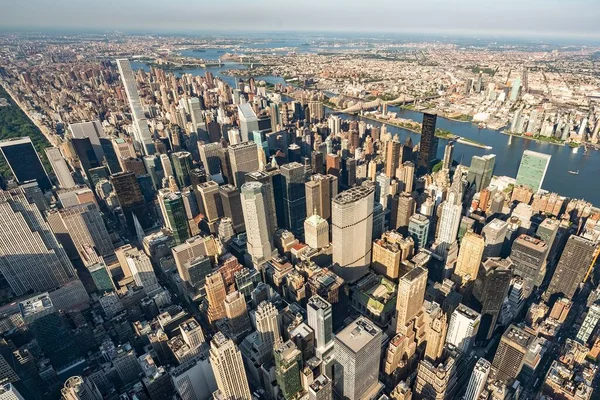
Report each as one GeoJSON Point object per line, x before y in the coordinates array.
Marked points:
{"type": "Point", "coordinates": [463, 327]}
{"type": "Point", "coordinates": [228, 369]}
{"type": "Point", "coordinates": [194, 379]}
{"type": "Point", "coordinates": [216, 292]}
{"type": "Point", "coordinates": [316, 232]}
{"type": "Point", "coordinates": [574, 266]}
{"type": "Point", "coordinates": [481, 171]}
{"type": "Point", "coordinates": [24, 162]}
{"type": "Point", "coordinates": [243, 158]}
{"type": "Point", "coordinates": [60, 167]}
{"type": "Point", "coordinates": [237, 312]}
{"type": "Point", "coordinates": [101, 277]}
{"type": "Point", "coordinates": [589, 324]}
{"type": "Point", "coordinates": [352, 225]}
{"type": "Point", "coordinates": [357, 351]}
{"type": "Point", "coordinates": [209, 201]}
{"type": "Point", "coordinates": [418, 229]}
{"type": "Point", "coordinates": [209, 155]}
{"type": "Point", "coordinates": [469, 256]}
{"type": "Point", "coordinates": [511, 353]}
{"type": "Point", "coordinates": [532, 169]}
{"type": "Point", "coordinates": [272, 184]}
{"type": "Point", "coordinates": [393, 154]}
{"type": "Point", "coordinates": [406, 176]}
{"type": "Point", "coordinates": [411, 293]}
{"type": "Point", "coordinates": [141, 269]}
{"type": "Point", "coordinates": [267, 325]}
{"type": "Point", "coordinates": [195, 270]}
{"type": "Point", "coordinates": [174, 215]}
{"type": "Point", "coordinates": [406, 207]}
{"type": "Point", "coordinates": [93, 131]}
{"type": "Point", "coordinates": [232, 206]}
{"type": "Point", "coordinates": [478, 380]}
{"type": "Point", "coordinates": [86, 228]}
{"type": "Point", "coordinates": [129, 194]}
{"type": "Point", "coordinates": [294, 197]}
{"type": "Point", "coordinates": [78, 388]}
{"type": "Point", "coordinates": [320, 189]}
{"type": "Point", "coordinates": [451, 214]}
{"type": "Point", "coordinates": [320, 389]}
{"type": "Point", "coordinates": [528, 255]}
{"type": "Point", "coordinates": [495, 276]}
{"type": "Point", "coordinates": [182, 166]}
{"type": "Point", "coordinates": [389, 252]}
{"type": "Point", "coordinates": [428, 145]}
{"type": "Point", "coordinates": [320, 319]}
{"type": "Point", "coordinates": [331, 287]}
{"type": "Point", "coordinates": [31, 259]}
{"type": "Point", "coordinates": [248, 121]}
{"type": "Point", "coordinates": [494, 233]}
{"type": "Point", "coordinates": [256, 217]}
{"type": "Point", "coordinates": [287, 369]}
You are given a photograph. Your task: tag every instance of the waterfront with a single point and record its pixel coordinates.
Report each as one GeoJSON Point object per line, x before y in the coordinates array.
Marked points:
{"type": "Point", "coordinates": [507, 149]}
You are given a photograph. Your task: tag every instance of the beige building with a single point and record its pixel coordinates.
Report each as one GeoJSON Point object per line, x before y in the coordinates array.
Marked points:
{"type": "Point", "coordinates": [228, 367]}
{"type": "Point", "coordinates": [389, 252]}
{"type": "Point", "coordinates": [215, 295]}
{"type": "Point", "coordinates": [411, 293]}
{"type": "Point", "coordinates": [469, 256]}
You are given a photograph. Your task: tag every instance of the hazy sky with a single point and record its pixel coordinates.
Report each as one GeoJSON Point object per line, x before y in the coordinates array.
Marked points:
{"type": "Point", "coordinates": [512, 17]}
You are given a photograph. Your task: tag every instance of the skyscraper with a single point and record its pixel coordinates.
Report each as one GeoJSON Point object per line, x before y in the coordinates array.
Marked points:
{"type": "Point", "coordinates": [418, 229]}
{"type": "Point", "coordinates": [411, 293]}
{"type": "Point", "coordinates": [93, 131]}
{"type": "Point", "coordinates": [529, 257]}
{"type": "Point", "coordinates": [392, 158]}
{"type": "Point", "coordinates": [469, 256]}
{"type": "Point", "coordinates": [511, 352]}
{"type": "Point", "coordinates": [451, 210]}
{"type": "Point", "coordinates": [209, 199]}
{"type": "Point", "coordinates": [495, 276]}
{"type": "Point", "coordinates": [256, 218]}
{"type": "Point", "coordinates": [574, 266]}
{"type": "Point", "coordinates": [316, 232]}
{"type": "Point", "coordinates": [357, 353]}
{"type": "Point", "coordinates": [142, 135]}
{"type": "Point", "coordinates": [248, 121]}
{"type": "Point", "coordinates": [481, 170]}
{"type": "Point", "coordinates": [24, 162]}
{"type": "Point", "coordinates": [182, 165]}
{"type": "Point", "coordinates": [228, 368]}
{"type": "Point", "coordinates": [320, 389]}
{"type": "Point", "coordinates": [209, 155]}
{"type": "Point", "coordinates": [320, 189]}
{"type": "Point", "coordinates": [389, 252]}
{"type": "Point", "coordinates": [237, 313]}
{"type": "Point", "coordinates": [60, 168]}
{"type": "Point", "coordinates": [130, 197]}
{"type": "Point", "coordinates": [532, 169]}
{"type": "Point", "coordinates": [352, 224]}
{"type": "Point", "coordinates": [320, 319]}
{"type": "Point", "coordinates": [428, 145]}
{"type": "Point", "coordinates": [215, 296]}
{"type": "Point", "coordinates": [287, 369]}
{"type": "Point", "coordinates": [243, 158]}
{"type": "Point", "coordinates": [142, 271]}
{"type": "Point", "coordinates": [463, 327]}
{"type": "Point", "coordinates": [174, 216]}
{"type": "Point", "coordinates": [30, 256]}
{"type": "Point", "coordinates": [267, 325]}
{"type": "Point", "coordinates": [232, 206]}
{"type": "Point", "coordinates": [494, 234]}
{"type": "Point", "coordinates": [294, 197]}
{"type": "Point", "coordinates": [478, 379]}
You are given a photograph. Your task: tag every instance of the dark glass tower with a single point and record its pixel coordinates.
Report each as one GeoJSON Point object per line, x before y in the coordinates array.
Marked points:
{"type": "Point", "coordinates": [429, 144]}
{"type": "Point", "coordinates": [24, 162]}
{"type": "Point", "coordinates": [294, 197]}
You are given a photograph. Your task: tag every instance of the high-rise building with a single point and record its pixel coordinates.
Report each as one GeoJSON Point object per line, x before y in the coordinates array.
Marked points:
{"type": "Point", "coordinates": [142, 135]}
{"type": "Point", "coordinates": [78, 388]}
{"type": "Point", "coordinates": [271, 181]}
{"type": "Point", "coordinates": [209, 155]}
{"type": "Point", "coordinates": [478, 379]}
{"type": "Point", "coordinates": [494, 234]}
{"type": "Point", "coordinates": [320, 319]}
{"type": "Point", "coordinates": [248, 121]}
{"type": "Point", "coordinates": [60, 168]}
{"type": "Point", "coordinates": [469, 256]}
{"type": "Point", "coordinates": [93, 131]}
{"type": "Point", "coordinates": [574, 266]}
{"type": "Point", "coordinates": [320, 189]}
{"type": "Point", "coordinates": [448, 155]}
{"type": "Point", "coordinates": [243, 158]}
{"type": "Point", "coordinates": [320, 389]}
{"type": "Point", "coordinates": [406, 209]}
{"type": "Point", "coordinates": [406, 176]}
{"type": "Point", "coordinates": [451, 214]}
{"type": "Point", "coordinates": [142, 271]}
{"type": "Point", "coordinates": [589, 324]}
{"type": "Point", "coordinates": [267, 325]}
{"type": "Point", "coordinates": [511, 352]}
{"type": "Point", "coordinates": [174, 216]}
{"type": "Point", "coordinates": [316, 232]}
{"type": "Point", "coordinates": [418, 229]}
{"type": "Point", "coordinates": [237, 313]}
{"type": "Point", "coordinates": [287, 369]}
{"type": "Point", "coordinates": [232, 206]}
{"type": "Point", "coordinates": [463, 327]}
{"type": "Point", "coordinates": [411, 293]}
{"type": "Point", "coordinates": [182, 166]}
{"type": "Point", "coordinates": [215, 296]}
{"type": "Point", "coordinates": [31, 259]}
{"type": "Point", "coordinates": [495, 276]}
{"type": "Point", "coordinates": [130, 197]}
{"type": "Point", "coordinates": [428, 145]}
{"type": "Point", "coordinates": [532, 169]}
{"type": "Point", "coordinates": [393, 152]}
{"type": "Point", "coordinates": [389, 252]}
{"type": "Point", "coordinates": [228, 368]}
{"type": "Point", "coordinates": [528, 255]}
{"type": "Point", "coordinates": [256, 219]}
{"type": "Point", "coordinates": [294, 197]}
{"type": "Point", "coordinates": [357, 351]}
{"type": "Point", "coordinates": [481, 170]}
{"type": "Point", "coordinates": [352, 224]}
{"type": "Point", "coordinates": [333, 165]}
{"type": "Point", "coordinates": [209, 200]}
{"type": "Point", "coordinates": [24, 162]}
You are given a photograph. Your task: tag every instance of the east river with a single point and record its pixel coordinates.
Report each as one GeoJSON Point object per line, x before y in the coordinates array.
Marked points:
{"type": "Point", "coordinates": [508, 151]}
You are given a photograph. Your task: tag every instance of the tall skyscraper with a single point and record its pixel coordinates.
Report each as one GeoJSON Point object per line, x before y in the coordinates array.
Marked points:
{"type": "Point", "coordinates": [320, 189]}
{"type": "Point", "coordinates": [232, 206]}
{"type": "Point", "coordinates": [141, 268]}
{"type": "Point", "coordinates": [393, 152]}
{"type": "Point", "coordinates": [60, 168]}
{"type": "Point", "coordinates": [411, 293]}
{"type": "Point", "coordinates": [215, 296]}
{"type": "Point", "coordinates": [352, 224]}
{"type": "Point", "coordinates": [174, 216]}
{"type": "Point", "coordinates": [182, 165]}
{"type": "Point", "coordinates": [78, 388]}
{"type": "Point", "coordinates": [574, 266]}
{"type": "Point", "coordinates": [24, 162]}
{"type": "Point", "coordinates": [31, 259]}
{"type": "Point", "coordinates": [494, 234]}
{"type": "Point", "coordinates": [267, 325]}
{"type": "Point", "coordinates": [532, 169]}
{"type": "Point", "coordinates": [316, 232]}
{"type": "Point", "coordinates": [210, 203]}
{"type": "Point", "coordinates": [256, 218]}
{"type": "Point", "coordinates": [357, 351]}
{"type": "Point", "coordinates": [451, 209]}
{"type": "Point", "coordinates": [478, 379]}
{"type": "Point", "coordinates": [469, 256]}
{"type": "Point", "coordinates": [271, 181]}
{"type": "Point", "coordinates": [142, 135]}
{"type": "Point", "coordinates": [209, 155]}
{"type": "Point", "coordinates": [529, 257]}
{"type": "Point", "coordinates": [405, 209]}
{"type": "Point", "coordinates": [243, 158]}
{"type": "Point", "coordinates": [428, 145]}
{"type": "Point", "coordinates": [288, 360]}
{"type": "Point", "coordinates": [320, 319]}
{"type": "Point", "coordinates": [495, 276]}
{"type": "Point", "coordinates": [389, 251]}
{"type": "Point", "coordinates": [93, 131]}
{"type": "Point", "coordinates": [294, 197]}
{"type": "Point", "coordinates": [511, 353]}
{"type": "Point", "coordinates": [418, 229]}
{"type": "Point", "coordinates": [237, 313]}
{"type": "Point", "coordinates": [228, 368]}
{"type": "Point", "coordinates": [130, 197]}
{"type": "Point", "coordinates": [248, 121]}
{"type": "Point", "coordinates": [320, 389]}
{"type": "Point", "coordinates": [481, 170]}
{"type": "Point", "coordinates": [463, 327]}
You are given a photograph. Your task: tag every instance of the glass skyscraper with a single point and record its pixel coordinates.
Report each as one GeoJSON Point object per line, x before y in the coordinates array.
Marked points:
{"type": "Point", "coordinates": [532, 169]}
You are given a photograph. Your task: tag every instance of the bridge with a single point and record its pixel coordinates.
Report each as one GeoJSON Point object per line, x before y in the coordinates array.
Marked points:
{"type": "Point", "coordinates": [371, 105]}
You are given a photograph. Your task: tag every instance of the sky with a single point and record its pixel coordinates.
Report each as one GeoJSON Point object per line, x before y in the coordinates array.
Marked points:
{"type": "Point", "coordinates": [557, 18]}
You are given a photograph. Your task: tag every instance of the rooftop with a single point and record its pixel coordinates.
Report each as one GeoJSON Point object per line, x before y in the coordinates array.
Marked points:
{"type": "Point", "coordinates": [358, 334]}
{"type": "Point", "coordinates": [354, 194]}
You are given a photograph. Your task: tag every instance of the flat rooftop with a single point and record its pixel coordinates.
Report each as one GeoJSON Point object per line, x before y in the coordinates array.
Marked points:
{"type": "Point", "coordinates": [358, 334]}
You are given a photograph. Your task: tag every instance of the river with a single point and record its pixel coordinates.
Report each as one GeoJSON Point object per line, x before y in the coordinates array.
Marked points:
{"type": "Point", "coordinates": [508, 152]}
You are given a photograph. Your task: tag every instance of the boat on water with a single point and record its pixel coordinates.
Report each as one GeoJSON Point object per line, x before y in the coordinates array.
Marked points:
{"type": "Point", "coordinates": [574, 172]}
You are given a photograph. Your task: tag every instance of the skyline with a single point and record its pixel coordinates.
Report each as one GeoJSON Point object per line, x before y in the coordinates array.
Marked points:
{"type": "Point", "coordinates": [481, 19]}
